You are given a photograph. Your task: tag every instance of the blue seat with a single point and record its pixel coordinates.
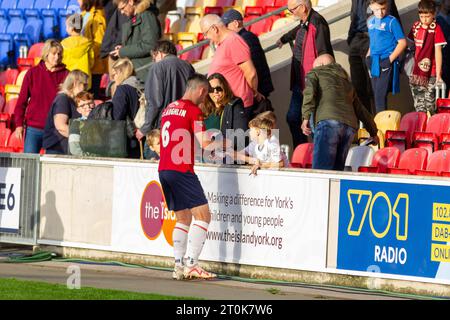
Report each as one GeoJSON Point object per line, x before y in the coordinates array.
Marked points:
{"type": "Point", "coordinates": [49, 28]}
{"type": "Point", "coordinates": [16, 23]}
{"type": "Point", "coordinates": [25, 4]}
{"type": "Point", "coordinates": [33, 27]}
{"type": "Point", "coordinates": [8, 4]}
{"type": "Point", "coordinates": [41, 4]}
{"type": "Point", "coordinates": [59, 4]}
{"type": "Point", "coordinates": [4, 21]}
{"type": "Point", "coordinates": [63, 14]}
{"type": "Point", "coordinates": [6, 50]}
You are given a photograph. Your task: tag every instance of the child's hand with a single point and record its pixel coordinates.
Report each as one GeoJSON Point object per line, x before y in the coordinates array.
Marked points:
{"type": "Point", "coordinates": [255, 168]}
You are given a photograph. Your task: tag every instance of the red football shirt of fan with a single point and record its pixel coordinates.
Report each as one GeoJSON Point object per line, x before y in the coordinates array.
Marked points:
{"type": "Point", "coordinates": [180, 120]}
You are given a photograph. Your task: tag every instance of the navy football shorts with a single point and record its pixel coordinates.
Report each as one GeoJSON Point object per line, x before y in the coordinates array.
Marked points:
{"type": "Point", "coordinates": [182, 190]}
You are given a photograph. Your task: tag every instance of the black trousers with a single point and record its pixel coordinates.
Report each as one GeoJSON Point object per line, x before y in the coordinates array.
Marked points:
{"type": "Point", "coordinates": [359, 74]}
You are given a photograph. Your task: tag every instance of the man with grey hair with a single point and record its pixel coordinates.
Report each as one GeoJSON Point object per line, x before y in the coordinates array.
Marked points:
{"type": "Point", "coordinates": [232, 59]}
{"type": "Point", "coordinates": [312, 38]}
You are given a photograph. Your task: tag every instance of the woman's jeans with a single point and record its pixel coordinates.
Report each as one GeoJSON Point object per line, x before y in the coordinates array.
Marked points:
{"type": "Point", "coordinates": [332, 140]}
{"type": "Point", "coordinates": [33, 140]}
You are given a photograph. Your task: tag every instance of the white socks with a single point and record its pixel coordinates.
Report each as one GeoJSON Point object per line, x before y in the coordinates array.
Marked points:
{"type": "Point", "coordinates": [196, 240]}
{"type": "Point", "coordinates": [180, 237]}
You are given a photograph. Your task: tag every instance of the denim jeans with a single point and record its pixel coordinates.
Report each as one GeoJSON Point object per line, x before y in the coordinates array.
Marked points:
{"type": "Point", "coordinates": [332, 140]}
{"type": "Point", "coordinates": [294, 118]}
{"type": "Point", "coordinates": [33, 140]}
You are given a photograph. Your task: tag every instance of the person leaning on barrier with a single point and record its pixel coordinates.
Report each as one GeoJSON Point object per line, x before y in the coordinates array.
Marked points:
{"type": "Point", "coordinates": [330, 97]}
{"type": "Point", "coordinates": [56, 132]}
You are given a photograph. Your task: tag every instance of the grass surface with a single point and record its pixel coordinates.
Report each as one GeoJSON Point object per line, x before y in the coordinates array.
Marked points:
{"type": "Point", "coordinates": [13, 289]}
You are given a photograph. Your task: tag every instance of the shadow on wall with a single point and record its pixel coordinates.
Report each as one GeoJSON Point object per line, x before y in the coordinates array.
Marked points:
{"type": "Point", "coordinates": [51, 223]}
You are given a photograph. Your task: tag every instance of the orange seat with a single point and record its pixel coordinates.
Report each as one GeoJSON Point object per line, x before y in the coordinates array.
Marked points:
{"type": "Point", "coordinates": [411, 160]}
{"type": "Point", "coordinates": [10, 106]}
{"type": "Point", "coordinates": [265, 3]}
{"type": "Point", "coordinates": [2, 103]}
{"type": "Point", "coordinates": [302, 156]}
{"type": "Point", "coordinates": [8, 76]}
{"type": "Point", "coordinates": [24, 63]}
{"type": "Point", "coordinates": [409, 123]}
{"type": "Point", "coordinates": [35, 50]}
{"type": "Point", "coordinates": [383, 159]}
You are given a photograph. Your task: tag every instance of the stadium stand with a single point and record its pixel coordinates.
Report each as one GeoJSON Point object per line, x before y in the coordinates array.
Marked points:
{"type": "Point", "coordinates": [436, 126]}
{"type": "Point", "coordinates": [438, 162]}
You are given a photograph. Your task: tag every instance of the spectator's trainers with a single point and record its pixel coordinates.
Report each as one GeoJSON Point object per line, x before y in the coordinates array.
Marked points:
{"type": "Point", "coordinates": [197, 272]}
{"type": "Point", "coordinates": [178, 273]}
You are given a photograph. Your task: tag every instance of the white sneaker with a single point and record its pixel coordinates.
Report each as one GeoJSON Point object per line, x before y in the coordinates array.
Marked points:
{"type": "Point", "coordinates": [197, 272]}
{"type": "Point", "coordinates": [178, 273]}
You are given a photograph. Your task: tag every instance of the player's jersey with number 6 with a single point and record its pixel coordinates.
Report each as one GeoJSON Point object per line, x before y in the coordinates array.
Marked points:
{"type": "Point", "coordinates": [180, 120]}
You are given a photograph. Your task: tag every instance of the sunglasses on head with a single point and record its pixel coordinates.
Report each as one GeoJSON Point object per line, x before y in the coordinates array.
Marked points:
{"type": "Point", "coordinates": [218, 89]}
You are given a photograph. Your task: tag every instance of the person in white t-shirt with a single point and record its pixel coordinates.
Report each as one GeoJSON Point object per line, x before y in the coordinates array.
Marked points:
{"type": "Point", "coordinates": [264, 148]}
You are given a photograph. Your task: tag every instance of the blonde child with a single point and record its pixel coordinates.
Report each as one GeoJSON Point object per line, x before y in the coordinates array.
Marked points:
{"type": "Point", "coordinates": [153, 142]}
{"type": "Point", "coordinates": [78, 50]}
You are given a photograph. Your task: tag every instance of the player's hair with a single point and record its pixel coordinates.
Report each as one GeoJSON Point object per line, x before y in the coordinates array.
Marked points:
{"type": "Point", "coordinates": [380, 2]}
{"type": "Point", "coordinates": [426, 6]}
{"type": "Point", "coordinates": [195, 81]}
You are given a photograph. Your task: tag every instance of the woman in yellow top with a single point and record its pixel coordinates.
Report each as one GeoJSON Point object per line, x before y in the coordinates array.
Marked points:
{"type": "Point", "coordinates": [94, 26]}
{"type": "Point", "coordinates": [78, 50]}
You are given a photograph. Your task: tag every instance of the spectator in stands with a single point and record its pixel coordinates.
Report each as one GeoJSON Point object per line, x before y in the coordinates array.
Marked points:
{"type": "Point", "coordinates": [387, 42]}
{"type": "Point", "coordinates": [330, 97]}
{"type": "Point", "coordinates": [78, 50]}
{"type": "Point", "coordinates": [94, 26]}
{"type": "Point", "coordinates": [85, 103]}
{"type": "Point", "coordinates": [358, 41]}
{"type": "Point", "coordinates": [113, 35]}
{"type": "Point", "coordinates": [166, 82]}
{"type": "Point", "coordinates": [234, 21]}
{"type": "Point", "coordinates": [428, 39]}
{"type": "Point", "coordinates": [37, 93]}
{"type": "Point", "coordinates": [139, 34]}
{"type": "Point", "coordinates": [64, 107]}
{"type": "Point", "coordinates": [223, 111]}
{"type": "Point", "coordinates": [312, 38]}
{"type": "Point", "coordinates": [443, 20]}
{"type": "Point", "coordinates": [153, 142]}
{"type": "Point", "coordinates": [126, 100]}
{"type": "Point", "coordinates": [232, 59]}
{"type": "Point", "coordinates": [264, 148]}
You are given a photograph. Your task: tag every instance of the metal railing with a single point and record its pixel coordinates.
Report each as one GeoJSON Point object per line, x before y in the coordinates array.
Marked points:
{"type": "Point", "coordinates": [29, 197]}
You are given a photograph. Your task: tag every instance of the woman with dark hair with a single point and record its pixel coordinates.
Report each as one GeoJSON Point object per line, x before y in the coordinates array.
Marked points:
{"type": "Point", "coordinates": [93, 28]}
{"type": "Point", "coordinates": [139, 34]}
{"type": "Point", "coordinates": [222, 110]}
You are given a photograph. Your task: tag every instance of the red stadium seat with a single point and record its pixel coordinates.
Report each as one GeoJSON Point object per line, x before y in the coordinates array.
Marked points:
{"type": "Point", "coordinates": [15, 143]}
{"type": "Point", "coordinates": [10, 106]}
{"type": "Point", "coordinates": [35, 50]}
{"type": "Point", "coordinates": [6, 149]}
{"type": "Point", "coordinates": [383, 159]}
{"type": "Point", "coordinates": [253, 11]}
{"type": "Point", "coordinates": [438, 162]}
{"type": "Point", "coordinates": [443, 105]}
{"type": "Point", "coordinates": [2, 103]}
{"type": "Point", "coordinates": [302, 156]}
{"type": "Point", "coordinates": [265, 3]}
{"type": "Point", "coordinates": [409, 123]}
{"type": "Point", "coordinates": [5, 119]}
{"type": "Point", "coordinates": [8, 76]}
{"type": "Point", "coordinates": [214, 10]}
{"type": "Point", "coordinates": [24, 63]}
{"type": "Point", "coordinates": [437, 125]}
{"type": "Point", "coordinates": [4, 136]}
{"type": "Point", "coordinates": [280, 3]}
{"type": "Point", "coordinates": [104, 81]}
{"type": "Point", "coordinates": [411, 160]}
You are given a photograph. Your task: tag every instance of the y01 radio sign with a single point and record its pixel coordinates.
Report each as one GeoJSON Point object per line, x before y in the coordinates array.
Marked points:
{"type": "Point", "coordinates": [10, 199]}
{"type": "Point", "coordinates": [394, 228]}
